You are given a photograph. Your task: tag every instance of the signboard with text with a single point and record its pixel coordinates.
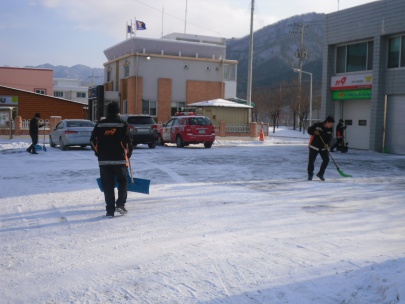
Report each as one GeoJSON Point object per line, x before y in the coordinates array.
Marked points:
{"type": "Point", "coordinates": [353, 94]}
{"type": "Point", "coordinates": [352, 82]}
{"type": "Point", "coordinates": [93, 92]}
{"type": "Point", "coordinates": [8, 100]}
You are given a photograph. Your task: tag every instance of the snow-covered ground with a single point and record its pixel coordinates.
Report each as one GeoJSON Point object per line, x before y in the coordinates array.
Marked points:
{"type": "Point", "coordinates": [237, 223]}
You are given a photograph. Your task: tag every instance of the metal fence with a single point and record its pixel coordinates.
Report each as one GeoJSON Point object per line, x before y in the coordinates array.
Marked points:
{"type": "Point", "coordinates": [265, 128]}
{"type": "Point", "coordinates": [235, 128]}
{"type": "Point", "coordinates": [26, 123]}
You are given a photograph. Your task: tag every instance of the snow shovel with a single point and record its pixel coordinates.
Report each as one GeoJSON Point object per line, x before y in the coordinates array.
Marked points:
{"type": "Point", "coordinates": [43, 147]}
{"type": "Point", "coordinates": [340, 171]}
{"type": "Point", "coordinates": [134, 184]}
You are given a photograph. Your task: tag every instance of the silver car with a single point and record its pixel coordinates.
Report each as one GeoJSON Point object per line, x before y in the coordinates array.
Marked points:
{"type": "Point", "coordinates": [71, 132]}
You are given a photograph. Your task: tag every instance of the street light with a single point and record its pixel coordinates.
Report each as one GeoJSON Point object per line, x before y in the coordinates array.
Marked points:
{"type": "Point", "coordinates": [148, 58]}
{"type": "Point", "coordinates": [310, 98]}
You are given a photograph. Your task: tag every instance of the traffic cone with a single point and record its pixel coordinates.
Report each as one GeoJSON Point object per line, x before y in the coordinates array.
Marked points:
{"type": "Point", "coordinates": [261, 135]}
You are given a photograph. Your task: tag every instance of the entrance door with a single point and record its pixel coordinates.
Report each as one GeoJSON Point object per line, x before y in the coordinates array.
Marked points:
{"type": "Point", "coordinates": [394, 132]}
{"type": "Point", "coordinates": [357, 115]}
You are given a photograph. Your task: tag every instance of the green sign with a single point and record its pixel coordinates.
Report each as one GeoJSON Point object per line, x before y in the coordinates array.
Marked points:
{"type": "Point", "coordinates": [353, 94]}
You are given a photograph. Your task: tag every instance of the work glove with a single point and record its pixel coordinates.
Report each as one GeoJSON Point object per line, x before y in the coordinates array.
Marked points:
{"type": "Point", "coordinates": [129, 154]}
{"type": "Point", "coordinates": [326, 147]}
{"type": "Point", "coordinates": [95, 153]}
{"type": "Point", "coordinates": [317, 132]}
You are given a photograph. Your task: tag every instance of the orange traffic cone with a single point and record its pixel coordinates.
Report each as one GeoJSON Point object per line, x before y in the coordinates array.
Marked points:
{"type": "Point", "coordinates": [261, 135]}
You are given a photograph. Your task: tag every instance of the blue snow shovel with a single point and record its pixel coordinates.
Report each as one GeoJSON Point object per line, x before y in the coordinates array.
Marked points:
{"type": "Point", "coordinates": [44, 148]}
{"type": "Point", "coordinates": [134, 184]}
{"type": "Point", "coordinates": [138, 185]}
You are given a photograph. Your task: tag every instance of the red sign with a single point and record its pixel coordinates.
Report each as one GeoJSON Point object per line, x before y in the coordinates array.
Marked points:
{"type": "Point", "coordinates": [352, 82]}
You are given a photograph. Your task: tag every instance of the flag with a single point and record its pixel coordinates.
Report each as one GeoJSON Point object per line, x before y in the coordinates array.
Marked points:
{"type": "Point", "coordinates": [140, 25]}
{"type": "Point", "coordinates": [129, 30]}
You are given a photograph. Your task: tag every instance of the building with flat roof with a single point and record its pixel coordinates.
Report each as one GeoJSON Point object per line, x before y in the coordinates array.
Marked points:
{"type": "Point", "coordinates": [159, 76]}
{"type": "Point", "coordinates": [39, 81]}
{"type": "Point", "coordinates": [363, 79]}
{"type": "Point", "coordinates": [70, 89]}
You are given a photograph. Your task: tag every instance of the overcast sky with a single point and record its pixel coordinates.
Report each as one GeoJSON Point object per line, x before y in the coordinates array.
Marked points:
{"type": "Point", "coordinates": [70, 32]}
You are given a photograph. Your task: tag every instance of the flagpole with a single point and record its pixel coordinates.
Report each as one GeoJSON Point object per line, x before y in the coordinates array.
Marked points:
{"type": "Point", "coordinates": [185, 21]}
{"type": "Point", "coordinates": [131, 30]}
{"type": "Point", "coordinates": [126, 31]}
{"type": "Point", "coordinates": [136, 27]}
{"type": "Point", "coordinates": [163, 12]}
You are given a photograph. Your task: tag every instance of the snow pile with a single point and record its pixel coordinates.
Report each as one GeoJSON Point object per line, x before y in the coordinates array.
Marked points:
{"type": "Point", "coordinates": [14, 144]}
{"type": "Point", "coordinates": [378, 283]}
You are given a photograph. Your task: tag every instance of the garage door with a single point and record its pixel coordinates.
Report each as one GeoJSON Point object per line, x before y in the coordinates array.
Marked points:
{"type": "Point", "coordinates": [357, 114]}
{"type": "Point", "coordinates": [394, 132]}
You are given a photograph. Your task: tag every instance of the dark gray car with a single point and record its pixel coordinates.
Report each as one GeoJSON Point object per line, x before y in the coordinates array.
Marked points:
{"type": "Point", "coordinates": [143, 129]}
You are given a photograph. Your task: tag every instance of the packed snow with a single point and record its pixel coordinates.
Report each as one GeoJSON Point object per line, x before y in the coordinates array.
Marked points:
{"type": "Point", "coordinates": [237, 223]}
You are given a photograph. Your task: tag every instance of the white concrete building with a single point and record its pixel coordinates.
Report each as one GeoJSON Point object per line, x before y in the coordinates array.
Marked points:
{"type": "Point", "coordinates": [70, 89]}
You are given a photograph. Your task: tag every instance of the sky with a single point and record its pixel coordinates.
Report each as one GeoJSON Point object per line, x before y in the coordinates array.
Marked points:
{"type": "Point", "coordinates": [70, 32]}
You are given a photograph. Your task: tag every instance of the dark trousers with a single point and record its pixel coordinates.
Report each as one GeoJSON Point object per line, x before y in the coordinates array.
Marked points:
{"type": "Point", "coordinates": [312, 156]}
{"type": "Point", "coordinates": [339, 141]}
{"type": "Point", "coordinates": [108, 174]}
{"type": "Point", "coordinates": [34, 139]}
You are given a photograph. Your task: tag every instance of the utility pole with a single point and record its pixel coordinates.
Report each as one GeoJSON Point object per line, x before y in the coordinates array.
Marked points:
{"type": "Point", "coordinates": [250, 64]}
{"type": "Point", "coordinates": [301, 54]}
{"type": "Point", "coordinates": [92, 77]}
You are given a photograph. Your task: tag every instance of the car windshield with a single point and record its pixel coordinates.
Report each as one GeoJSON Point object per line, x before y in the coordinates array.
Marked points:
{"type": "Point", "coordinates": [141, 121]}
{"type": "Point", "coordinates": [80, 124]}
{"type": "Point", "coordinates": [199, 121]}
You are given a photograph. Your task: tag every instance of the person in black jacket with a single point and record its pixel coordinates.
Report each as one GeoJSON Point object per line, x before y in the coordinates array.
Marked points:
{"type": "Point", "coordinates": [34, 127]}
{"type": "Point", "coordinates": [112, 142]}
{"type": "Point", "coordinates": [339, 135]}
{"type": "Point", "coordinates": [316, 145]}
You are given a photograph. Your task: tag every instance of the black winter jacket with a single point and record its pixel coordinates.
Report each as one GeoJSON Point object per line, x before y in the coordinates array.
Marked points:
{"type": "Point", "coordinates": [110, 136]}
{"type": "Point", "coordinates": [339, 130]}
{"type": "Point", "coordinates": [315, 142]}
{"type": "Point", "coordinates": [34, 126]}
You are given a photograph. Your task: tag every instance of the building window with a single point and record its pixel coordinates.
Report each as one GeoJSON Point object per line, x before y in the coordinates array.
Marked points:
{"type": "Point", "coordinates": [80, 95]}
{"type": "Point", "coordinates": [176, 106]}
{"type": "Point", "coordinates": [57, 94]}
{"type": "Point", "coordinates": [354, 57]}
{"type": "Point", "coordinates": [396, 52]}
{"type": "Point", "coordinates": [108, 76]}
{"type": "Point", "coordinates": [126, 71]}
{"type": "Point", "coordinates": [230, 71]}
{"type": "Point", "coordinates": [40, 91]}
{"type": "Point", "coordinates": [149, 107]}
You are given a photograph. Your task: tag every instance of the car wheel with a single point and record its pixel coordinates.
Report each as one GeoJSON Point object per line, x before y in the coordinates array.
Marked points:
{"type": "Point", "coordinates": [51, 142]}
{"type": "Point", "coordinates": [179, 142]}
{"type": "Point", "coordinates": [208, 144]}
{"type": "Point", "coordinates": [61, 144]}
{"type": "Point", "coordinates": [160, 141]}
{"type": "Point", "coordinates": [152, 145]}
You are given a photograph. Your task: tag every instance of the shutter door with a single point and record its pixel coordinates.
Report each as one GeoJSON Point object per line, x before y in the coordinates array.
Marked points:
{"type": "Point", "coordinates": [394, 133]}
{"type": "Point", "coordinates": [358, 111]}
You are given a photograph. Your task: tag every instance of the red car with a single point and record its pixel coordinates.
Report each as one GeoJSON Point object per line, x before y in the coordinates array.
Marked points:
{"type": "Point", "coordinates": [186, 130]}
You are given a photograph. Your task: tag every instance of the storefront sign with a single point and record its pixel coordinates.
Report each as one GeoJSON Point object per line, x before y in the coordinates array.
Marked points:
{"type": "Point", "coordinates": [354, 94]}
{"type": "Point", "coordinates": [352, 82]}
{"type": "Point", "coordinates": [8, 100]}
